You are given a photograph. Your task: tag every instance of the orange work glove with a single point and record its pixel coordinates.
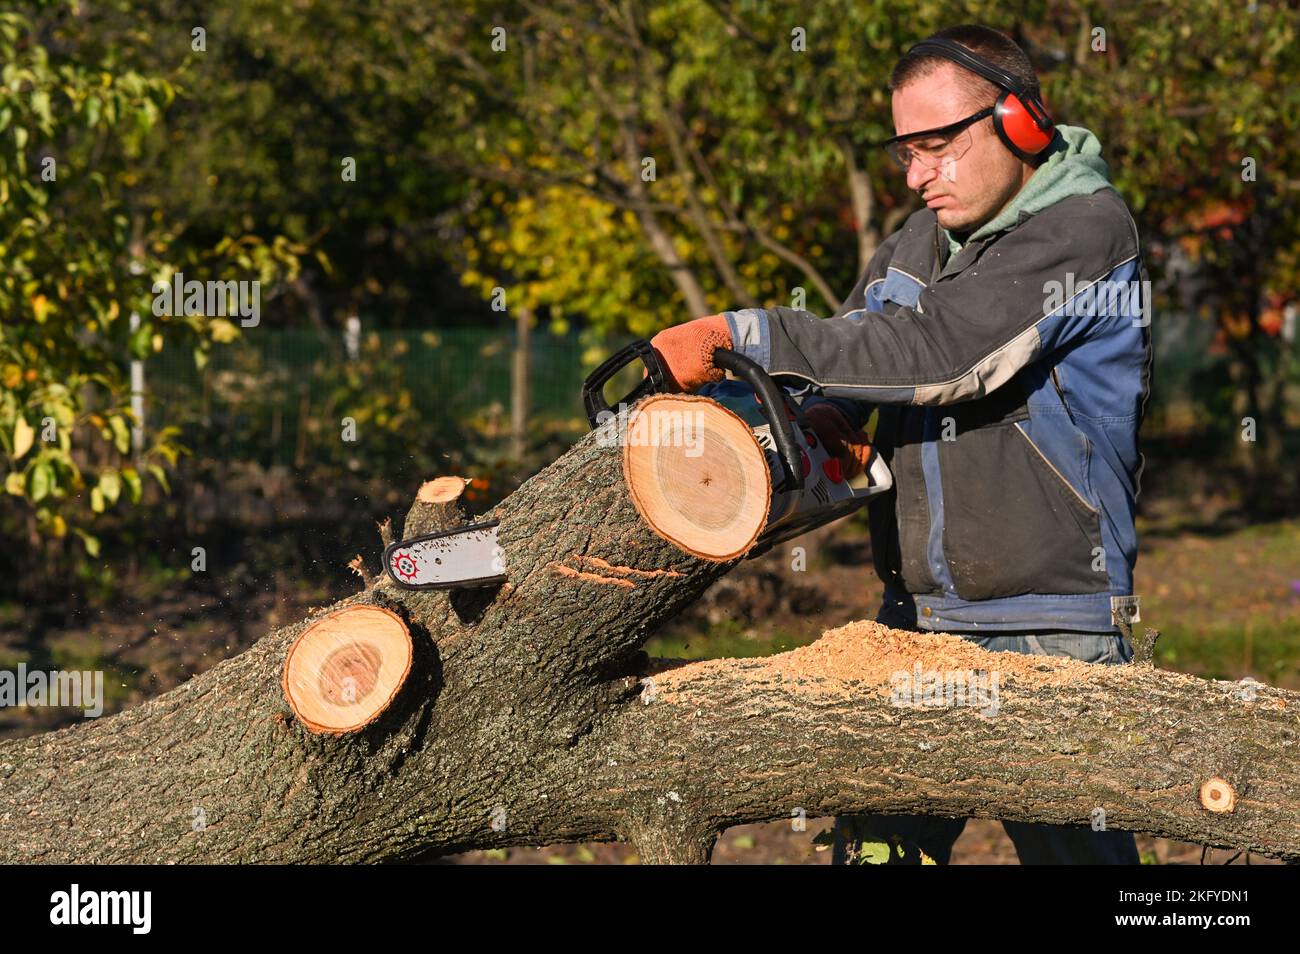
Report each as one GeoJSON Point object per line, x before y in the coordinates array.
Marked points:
{"type": "Point", "coordinates": [686, 351]}
{"type": "Point", "coordinates": [850, 447]}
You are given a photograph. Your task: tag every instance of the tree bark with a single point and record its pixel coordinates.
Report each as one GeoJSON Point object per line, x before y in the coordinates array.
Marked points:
{"type": "Point", "coordinates": [530, 716]}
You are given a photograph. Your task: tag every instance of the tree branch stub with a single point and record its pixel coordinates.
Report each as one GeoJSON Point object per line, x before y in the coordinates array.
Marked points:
{"type": "Point", "coordinates": [344, 670]}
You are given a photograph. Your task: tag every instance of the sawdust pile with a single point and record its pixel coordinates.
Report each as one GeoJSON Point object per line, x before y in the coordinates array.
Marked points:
{"type": "Point", "coordinates": [866, 653]}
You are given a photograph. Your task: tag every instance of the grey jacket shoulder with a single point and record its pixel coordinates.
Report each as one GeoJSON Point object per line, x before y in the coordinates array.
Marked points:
{"type": "Point", "coordinates": [1099, 226]}
{"type": "Point", "coordinates": [1101, 222]}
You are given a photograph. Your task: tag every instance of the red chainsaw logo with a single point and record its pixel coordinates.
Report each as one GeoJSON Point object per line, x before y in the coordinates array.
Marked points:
{"type": "Point", "coordinates": [405, 565]}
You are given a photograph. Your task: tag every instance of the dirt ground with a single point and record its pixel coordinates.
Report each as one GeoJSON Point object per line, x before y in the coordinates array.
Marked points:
{"type": "Point", "coordinates": [983, 842]}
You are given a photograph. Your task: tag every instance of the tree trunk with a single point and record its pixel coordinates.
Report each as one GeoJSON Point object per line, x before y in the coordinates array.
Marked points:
{"type": "Point", "coordinates": [529, 716]}
{"type": "Point", "coordinates": [519, 384]}
{"type": "Point", "coordinates": [661, 242]}
{"type": "Point", "coordinates": [863, 201]}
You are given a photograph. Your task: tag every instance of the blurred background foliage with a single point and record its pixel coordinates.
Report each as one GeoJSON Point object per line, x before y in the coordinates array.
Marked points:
{"type": "Point", "coordinates": [600, 168]}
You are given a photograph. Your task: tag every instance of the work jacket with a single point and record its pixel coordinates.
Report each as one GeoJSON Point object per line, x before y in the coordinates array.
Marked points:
{"type": "Point", "coordinates": [1010, 374]}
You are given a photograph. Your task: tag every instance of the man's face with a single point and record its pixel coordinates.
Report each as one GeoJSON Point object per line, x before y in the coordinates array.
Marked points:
{"type": "Point", "coordinates": [970, 190]}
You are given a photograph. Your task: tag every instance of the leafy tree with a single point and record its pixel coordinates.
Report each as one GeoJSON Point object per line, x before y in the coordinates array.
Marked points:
{"type": "Point", "coordinates": [81, 258]}
{"type": "Point", "coordinates": [760, 119]}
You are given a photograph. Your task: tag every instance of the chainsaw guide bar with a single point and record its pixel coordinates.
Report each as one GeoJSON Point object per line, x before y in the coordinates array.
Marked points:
{"type": "Point", "coordinates": [462, 556]}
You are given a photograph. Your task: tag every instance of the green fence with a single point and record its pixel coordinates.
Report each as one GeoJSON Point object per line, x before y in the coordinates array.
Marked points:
{"type": "Point", "coordinates": [259, 389]}
{"type": "Point", "coordinates": [460, 368]}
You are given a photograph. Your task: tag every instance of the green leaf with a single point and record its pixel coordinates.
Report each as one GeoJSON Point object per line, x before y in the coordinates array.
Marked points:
{"type": "Point", "coordinates": [140, 341]}
{"type": "Point", "coordinates": [40, 481]}
{"type": "Point", "coordinates": [133, 485]}
{"type": "Point", "coordinates": [873, 853]}
{"type": "Point", "coordinates": [91, 543]}
{"type": "Point", "coordinates": [110, 485]}
{"type": "Point", "coordinates": [96, 500]}
{"type": "Point", "coordinates": [40, 103]}
{"type": "Point", "coordinates": [15, 483]}
{"type": "Point", "coordinates": [121, 433]}
{"type": "Point", "coordinates": [160, 475]}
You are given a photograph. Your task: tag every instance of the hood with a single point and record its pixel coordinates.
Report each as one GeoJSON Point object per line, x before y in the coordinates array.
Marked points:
{"type": "Point", "coordinates": [1073, 167]}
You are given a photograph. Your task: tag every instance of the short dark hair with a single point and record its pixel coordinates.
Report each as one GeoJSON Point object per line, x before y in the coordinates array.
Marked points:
{"type": "Point", "coordinates": [997, 48]}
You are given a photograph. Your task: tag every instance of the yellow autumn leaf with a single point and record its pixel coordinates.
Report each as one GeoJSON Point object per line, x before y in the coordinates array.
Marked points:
{"type": "Point", "coordinates": [40, 308]}
{"type": "Point", "coordinates": [24, 435]}
{"type": "Point", "coordinates": [222, 331]}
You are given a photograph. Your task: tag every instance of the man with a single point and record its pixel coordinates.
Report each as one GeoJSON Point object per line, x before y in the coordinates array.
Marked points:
{"type": "Point", "coordinates": [1002, 335]}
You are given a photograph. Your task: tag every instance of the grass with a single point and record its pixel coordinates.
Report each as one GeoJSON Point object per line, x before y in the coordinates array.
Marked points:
{"type": "Point", "coordinates": [727, 638]}
{"type": "Point", "coordinates": [1226, 606]}
{"type": "Point", "coordinates": [1260, 647]}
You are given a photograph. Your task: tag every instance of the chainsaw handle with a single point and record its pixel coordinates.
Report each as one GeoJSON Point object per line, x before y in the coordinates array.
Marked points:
{"type": "Point", "coordinates": [771, 396]}
{"type": "Point", "coordinates": [774, 408]}
{"type": "Point", "coordinates": [593, 389]}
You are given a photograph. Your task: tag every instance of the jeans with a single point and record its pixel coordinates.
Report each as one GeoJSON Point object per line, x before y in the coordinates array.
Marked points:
{"type": "Point", "coordinates": [909, 835]}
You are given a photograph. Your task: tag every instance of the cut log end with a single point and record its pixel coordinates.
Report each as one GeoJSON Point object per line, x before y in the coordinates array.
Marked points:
{"type": "Point", "coordinates": [436, 507]}
{"type": "Point", "coordinates": [345, 669]}
{"type": "Point", "coordinates": [697, 475]}
{"type": "Point", "coordinates": [442, 489]}
{"type": "Point", "coordinates": [1217, 795]}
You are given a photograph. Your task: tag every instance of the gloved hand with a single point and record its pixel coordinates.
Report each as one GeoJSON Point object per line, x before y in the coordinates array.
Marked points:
{"type": "Point", "coordinates": [686, 351]}
{"type": "Point", "coordinates": [850, 447]}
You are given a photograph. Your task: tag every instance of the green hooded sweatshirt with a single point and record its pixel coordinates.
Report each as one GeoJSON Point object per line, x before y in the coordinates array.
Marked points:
{"type": "Point", "coordinates": [1073, 167]}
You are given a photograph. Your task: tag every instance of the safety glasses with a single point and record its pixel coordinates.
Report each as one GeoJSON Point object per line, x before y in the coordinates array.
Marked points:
{"type": "Point", "coordinates": [933, 147]}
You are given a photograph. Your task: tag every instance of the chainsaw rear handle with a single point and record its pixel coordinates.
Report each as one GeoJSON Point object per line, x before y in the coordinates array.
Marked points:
{"type": "Point", "coordinates": [771, 396]}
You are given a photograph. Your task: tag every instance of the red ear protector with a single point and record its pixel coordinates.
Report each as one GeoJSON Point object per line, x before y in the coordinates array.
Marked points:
{"type": "Point", "coordinates": [1020, 118]}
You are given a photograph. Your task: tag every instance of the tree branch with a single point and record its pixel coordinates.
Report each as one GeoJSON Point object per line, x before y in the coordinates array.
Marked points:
{"type": "Point", "coordinates": [528, 718]}
{"type": "Point", "coordinates": [860, 195]}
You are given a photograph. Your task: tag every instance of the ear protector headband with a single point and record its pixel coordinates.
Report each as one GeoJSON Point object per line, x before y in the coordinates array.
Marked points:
{"type": "Point", "coordinates": [1020, 118]}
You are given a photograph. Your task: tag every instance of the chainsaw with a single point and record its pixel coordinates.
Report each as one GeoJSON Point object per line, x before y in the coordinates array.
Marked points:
{"type": "Point", "coordinates": [808, 486]}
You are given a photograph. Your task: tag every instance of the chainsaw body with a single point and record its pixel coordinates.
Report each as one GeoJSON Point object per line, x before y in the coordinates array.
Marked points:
{"type": "Point", "coordinates": [808, 486]}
